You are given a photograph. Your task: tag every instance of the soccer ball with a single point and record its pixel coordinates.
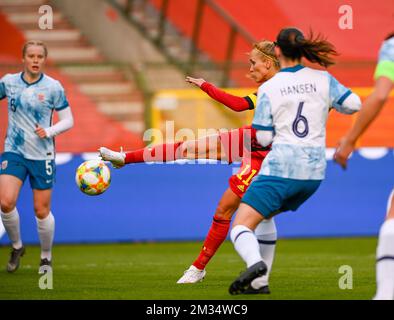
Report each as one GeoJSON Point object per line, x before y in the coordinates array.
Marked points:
{"type": "Point", "coordinates": [93, 177]}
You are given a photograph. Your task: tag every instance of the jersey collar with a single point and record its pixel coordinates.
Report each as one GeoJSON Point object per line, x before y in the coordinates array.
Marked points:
{"type": "Point", "coordinates": [35, 82]}
{"type": "Point", "coordinates": [292, 69]}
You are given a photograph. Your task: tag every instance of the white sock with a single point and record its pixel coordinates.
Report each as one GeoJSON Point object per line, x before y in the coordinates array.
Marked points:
{"type": "Point", "coordinates": [11, 225]}
{"type": "Point", "coordinates": [46, 230]}
{"type": "Point", "coordinates": [266, 236]}
{"type": "Point", "coordinates": [245, 243]}
{"type": "Point", "coordinates": [385, 262]}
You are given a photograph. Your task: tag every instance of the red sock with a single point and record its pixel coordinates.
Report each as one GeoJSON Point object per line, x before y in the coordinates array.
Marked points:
{"type": "Point", "coordinates": [161, 153]}
{"type": "Point", "coordinates": [215, 237]}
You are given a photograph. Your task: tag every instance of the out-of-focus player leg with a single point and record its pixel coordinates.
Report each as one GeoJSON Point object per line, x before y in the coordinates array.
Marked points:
{"type": "Point", "coordinates": [385, 256]}
{"type": "Point", "coordinates": [208, 147]}
{"type": "Point", "coordinates": [228, 204]}
{"type": "Point", "coordinates": [9, 192]}
{"type": "Point", "coordinates": [45, 224]}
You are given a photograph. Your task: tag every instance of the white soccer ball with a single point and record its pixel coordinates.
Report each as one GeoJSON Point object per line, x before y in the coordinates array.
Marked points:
{"type": "Point", "coordinates": [93, 177]}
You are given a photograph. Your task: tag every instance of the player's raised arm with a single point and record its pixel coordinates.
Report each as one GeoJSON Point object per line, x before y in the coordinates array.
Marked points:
{"type": "Point", "coordinates": [233, 102]}
{"type": "Point", "coordinates": [263, 66]}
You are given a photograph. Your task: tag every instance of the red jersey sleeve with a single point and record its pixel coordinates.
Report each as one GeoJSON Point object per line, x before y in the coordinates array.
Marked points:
{"type": "Point", "coordinates": [233, 102]}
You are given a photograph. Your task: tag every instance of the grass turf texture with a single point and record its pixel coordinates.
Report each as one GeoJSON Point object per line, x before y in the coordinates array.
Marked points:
{"type": "Point", "coordinates": [303, 269]}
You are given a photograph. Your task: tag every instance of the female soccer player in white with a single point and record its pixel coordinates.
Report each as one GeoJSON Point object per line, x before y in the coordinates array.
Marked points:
{"type": "Point", "coordinates": [384, 76]}
{"type": "Point", "coordinates": [29, 147]}
{"type": "Point", "coordinates": [291, 113]}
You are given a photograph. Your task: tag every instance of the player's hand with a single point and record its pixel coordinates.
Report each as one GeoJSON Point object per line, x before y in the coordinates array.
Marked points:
{"type": "Point", "coordinates": [195, 81]}
{"type": "Point", "coordinates": [40, 132]}
{"type": "Point", "coordinates": [343, 151]}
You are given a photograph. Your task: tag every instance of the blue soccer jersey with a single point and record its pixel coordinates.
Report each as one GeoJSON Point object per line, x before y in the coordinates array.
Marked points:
{"type": "Point", "coordinates": [30, 105]}
{"type": "Point", "coordinates": [294, 104]}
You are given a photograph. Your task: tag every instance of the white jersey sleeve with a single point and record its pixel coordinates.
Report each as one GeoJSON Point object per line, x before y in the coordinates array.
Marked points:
{"type": "Point", "coordinates": [59, 97]}
{"type": "Point", "coordinates": [342, 98]}
{"type": "Point", "coordinates": [263, 116]}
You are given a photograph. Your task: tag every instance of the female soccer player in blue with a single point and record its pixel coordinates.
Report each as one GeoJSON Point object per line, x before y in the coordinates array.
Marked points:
{"type": "Point", "coordinates": [29, 148]}
{"type": "Point", "coordinates": [384, 76]}
{"type": "Point", "coordinates": [291, 113]}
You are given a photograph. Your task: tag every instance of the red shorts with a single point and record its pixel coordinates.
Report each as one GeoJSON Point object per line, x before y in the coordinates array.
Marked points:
{"type": "Point", "coordinates": [241, 145]}
{"type": "Point", "coordinates": [240, 182]}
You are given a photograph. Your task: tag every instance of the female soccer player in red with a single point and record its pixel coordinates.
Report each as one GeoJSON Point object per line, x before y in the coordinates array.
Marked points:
{"type": "Point", "coordinates": [233, 145]}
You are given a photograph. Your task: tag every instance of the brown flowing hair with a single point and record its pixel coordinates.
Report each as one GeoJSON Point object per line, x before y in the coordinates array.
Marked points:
{"type": "Point", "coordinates": [316, 49]}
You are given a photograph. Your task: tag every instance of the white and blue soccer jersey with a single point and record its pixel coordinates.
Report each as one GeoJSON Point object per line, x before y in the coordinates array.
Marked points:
{"type": "Point", "coordinates": [294, 104]}
{"type": "Point", "coordinates": [29, 105]}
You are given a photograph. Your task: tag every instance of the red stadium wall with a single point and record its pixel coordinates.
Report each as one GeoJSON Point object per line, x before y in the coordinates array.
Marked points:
{"type": "Point", "coordinates": [263, 19]}
{"type": "Point", "coordinates": [358, 47]}
{"type": "Point", "coordinates": [11, 41]}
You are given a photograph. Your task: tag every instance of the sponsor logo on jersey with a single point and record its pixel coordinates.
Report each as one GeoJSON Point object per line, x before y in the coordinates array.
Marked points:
{"type": "Point", "coordinates": [41, 97]}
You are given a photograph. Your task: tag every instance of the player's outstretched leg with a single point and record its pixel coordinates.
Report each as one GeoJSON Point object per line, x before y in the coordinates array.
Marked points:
{"type": "Point", "coordinates": [116, 158]}
{"type": "Point", "coordinates": [228, 204]}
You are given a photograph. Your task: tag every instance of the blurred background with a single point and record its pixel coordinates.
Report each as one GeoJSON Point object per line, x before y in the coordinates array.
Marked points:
{"type": "Point", "coordinates": [123, 65]}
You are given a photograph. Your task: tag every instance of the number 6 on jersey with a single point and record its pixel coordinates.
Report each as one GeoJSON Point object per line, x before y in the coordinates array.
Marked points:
{"type": "Point", "coordinates": [300, 118]}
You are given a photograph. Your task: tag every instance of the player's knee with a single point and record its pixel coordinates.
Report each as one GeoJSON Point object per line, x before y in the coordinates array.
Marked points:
{"type": "Point", "coordinates": [41, 211]}
{"type": "Point", "coordinates": [7, 204]}
{"type": "Point", "coordinates": [225, 211]}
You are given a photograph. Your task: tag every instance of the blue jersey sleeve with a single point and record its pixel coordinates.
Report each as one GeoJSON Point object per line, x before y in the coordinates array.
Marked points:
{"type": "Point", "coordinates": [263, 115]}
{"type": "Point", "coordinates": [338, 93]}
{"type": "Point", "coordinates": [59, 99]}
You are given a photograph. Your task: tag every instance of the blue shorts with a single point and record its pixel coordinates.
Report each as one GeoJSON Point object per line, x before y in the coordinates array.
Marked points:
{"type": "Point", "coordinates": [41, 172]}
{"type": "Point", "coordinates": [269, 194]}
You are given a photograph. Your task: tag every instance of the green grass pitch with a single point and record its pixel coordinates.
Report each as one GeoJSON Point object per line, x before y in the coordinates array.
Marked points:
{"type": "Point", "coordinates": [303, 269]}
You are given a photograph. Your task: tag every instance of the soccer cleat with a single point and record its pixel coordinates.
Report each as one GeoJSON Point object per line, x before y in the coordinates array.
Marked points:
{"type": "Point", "coordinates": [13, 263]}
{"type": "Point", "coordinates": [261, 290]}
{"type": "Point", "coordinates": [45, 265]}
{"type": "Point", "coordinates": [116, 158]}
{"type": "Point", "coordinates": [192, 275]}
{"type": "Point", "coordinates": [243, 281]}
